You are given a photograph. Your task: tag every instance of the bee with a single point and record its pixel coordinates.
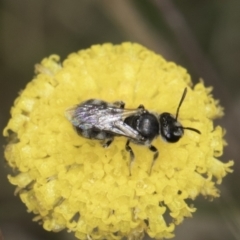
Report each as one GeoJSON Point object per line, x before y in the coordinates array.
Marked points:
{"type": "Point", "coordinates": [97, 119]}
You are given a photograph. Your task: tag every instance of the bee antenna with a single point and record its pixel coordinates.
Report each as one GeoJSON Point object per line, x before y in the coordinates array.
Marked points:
{"type": "Point", "coordinates": [181, 101]}
{"type": "Point", "coordinates": [192, 129]}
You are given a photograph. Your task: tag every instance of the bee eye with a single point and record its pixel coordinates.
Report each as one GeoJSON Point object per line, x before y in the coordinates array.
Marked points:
{"type": "Point", "coordinates": [174, 134]}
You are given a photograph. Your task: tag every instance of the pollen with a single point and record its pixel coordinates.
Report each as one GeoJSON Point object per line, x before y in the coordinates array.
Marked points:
{"type": "Point", "coordinates": [73, 183]}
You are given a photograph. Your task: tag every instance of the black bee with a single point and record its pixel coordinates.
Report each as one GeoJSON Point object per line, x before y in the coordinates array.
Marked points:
{"type": "Point", "coordinates": [97, 119]}
{"type": "Point", "coordinates": [150, 125]}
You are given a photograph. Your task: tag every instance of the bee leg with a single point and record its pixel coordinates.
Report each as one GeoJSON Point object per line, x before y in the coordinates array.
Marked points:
{"type": "Point", "coordinates": [141, 107]}
{"type": "Point", "coordinates": [155, 156]}
{"type": "Point", "coordinates": [107, 142]}
{"type": "Point", "coordinates": [129, 149]}
{"type": "Point", "coordinates": [119, 104]}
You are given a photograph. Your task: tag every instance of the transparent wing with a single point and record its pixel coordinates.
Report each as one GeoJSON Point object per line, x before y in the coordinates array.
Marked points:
{"type": "Point", "coordinates": [103, 117]}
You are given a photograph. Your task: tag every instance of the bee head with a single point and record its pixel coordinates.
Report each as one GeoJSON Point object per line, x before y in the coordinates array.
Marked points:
{"type": "Point", "coordinates": [170, 129]}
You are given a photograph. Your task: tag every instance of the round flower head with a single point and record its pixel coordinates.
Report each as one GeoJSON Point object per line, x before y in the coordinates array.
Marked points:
{"type": "Point", "coordinates": [72, 182]}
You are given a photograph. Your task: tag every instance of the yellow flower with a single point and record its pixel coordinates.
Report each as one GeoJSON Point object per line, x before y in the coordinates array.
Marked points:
{"type": "Point", "coordinates": [72, 182]}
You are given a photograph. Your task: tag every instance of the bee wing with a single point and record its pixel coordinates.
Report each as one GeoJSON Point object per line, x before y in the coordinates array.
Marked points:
{"type": "Point", "coordinates": [123, 129]}
{"type": "Point", "coordinates": [129, 112]}
{"type": "Point", "coordinates": [117, 123]}
{"type": "Point", "coordinates": [70, 114]}
{"type": "Point", "coordinates": [110, 119]}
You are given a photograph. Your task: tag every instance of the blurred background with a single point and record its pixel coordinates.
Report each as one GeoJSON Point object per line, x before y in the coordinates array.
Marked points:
{"type": "Point", "coordinates": [202, 36]}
